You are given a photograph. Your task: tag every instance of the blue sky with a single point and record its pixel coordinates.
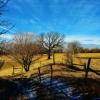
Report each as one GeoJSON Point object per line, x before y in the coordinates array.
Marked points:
{"type": "Point", "coordinates": [77, 19]}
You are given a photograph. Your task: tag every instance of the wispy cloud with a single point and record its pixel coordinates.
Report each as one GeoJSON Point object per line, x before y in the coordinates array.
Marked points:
{"type": "Point", "coordinates": [6, 36]}
{"type": "Point", "coordinates": [65, 16]}
{"type": "Point", "coordinates": [18, 8]}
{"type": "Point", "coordinates": [35, 18]}
{"type": "Point", "coordinates": [83, 39]}
{"type": "Point", "coordinates": [6, 28]}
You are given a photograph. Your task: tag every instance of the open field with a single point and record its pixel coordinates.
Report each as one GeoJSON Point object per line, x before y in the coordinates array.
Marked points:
{"type": "Point", "coordinates": [7, 68]}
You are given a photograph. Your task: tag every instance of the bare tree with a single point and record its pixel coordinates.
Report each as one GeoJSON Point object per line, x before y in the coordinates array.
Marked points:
{"type": "Point", "coordinates": [4, 25]}
{"type": "Point", "coordinates": [68, 58]}
{"type": "Point", "coordinates": [24, 49]}
{"type": "Point", "coordinates": [51, 40]}
{"type": "Point", "coordinates": [73, 48]}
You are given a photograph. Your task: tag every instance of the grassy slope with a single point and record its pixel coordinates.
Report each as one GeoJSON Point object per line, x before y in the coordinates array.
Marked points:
{"type": "Point", "coordinates": [7, 68]}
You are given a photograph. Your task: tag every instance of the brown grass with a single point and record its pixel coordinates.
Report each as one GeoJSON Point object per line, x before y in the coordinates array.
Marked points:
{"type": "Point", "coordinates": [7, 69]}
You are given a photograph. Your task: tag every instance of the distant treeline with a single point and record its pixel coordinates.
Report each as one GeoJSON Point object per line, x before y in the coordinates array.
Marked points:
{"type": "Point", "coordinates": [3, 52]}
{"type": "Point", "coordinates": [92, 50]}
{"type": "Point", "coordinates": [82, 50]}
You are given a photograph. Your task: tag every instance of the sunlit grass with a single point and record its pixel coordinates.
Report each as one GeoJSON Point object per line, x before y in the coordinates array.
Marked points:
{"type": "Point", "coordinates": [7, 69]}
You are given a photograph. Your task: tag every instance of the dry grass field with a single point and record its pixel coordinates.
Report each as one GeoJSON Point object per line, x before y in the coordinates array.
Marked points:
{"type": "Point", "coordinates": [7, 68]}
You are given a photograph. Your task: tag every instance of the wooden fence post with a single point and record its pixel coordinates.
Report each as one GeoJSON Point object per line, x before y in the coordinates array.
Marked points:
{"type": "Point", "coordinates": [51, 73]}
{"type": "Point", "coordinates": [87, 68]}
{"type": "Point", "coordinates": [84, 66]}
{"type": "Point", "coordinates": [22, 70]}
{"type": "Point", "coordinates": [40, 63]}
{"type": "Point", "coordinates": [13, 70]}
{"type": "Point", "coordinates": [62, 60]}
{"type": "Point", "coordinates": [39, 74]}
{"type": "Point", "coordinates": [53, 57]}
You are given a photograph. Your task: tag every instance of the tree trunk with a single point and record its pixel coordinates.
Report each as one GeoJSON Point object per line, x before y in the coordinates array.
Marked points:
{"type": "Point", "coordinates": [49, 54]}
{"type": "Point", "coordinates": [26, 68]}
{"type": "Point", "coordinates": [54, 57]}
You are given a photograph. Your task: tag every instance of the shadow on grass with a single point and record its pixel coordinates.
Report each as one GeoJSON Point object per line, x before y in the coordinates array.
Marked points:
{"type": "Point", "coordinates": [59, 88]}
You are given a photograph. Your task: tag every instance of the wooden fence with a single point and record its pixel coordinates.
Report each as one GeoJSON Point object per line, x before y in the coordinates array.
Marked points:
{"type": "Point", "coordinates": [86, 68]}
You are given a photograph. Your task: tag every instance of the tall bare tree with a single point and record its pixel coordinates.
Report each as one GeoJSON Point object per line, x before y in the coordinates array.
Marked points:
{"type": "Point", "coordinates": [4, 25]}
{"type": "Point", "coordinates": [25, 49]}
{"type": "Point", "coordinates": [73, 48]}
{"type": "Point", "coordinates": [51, 40]}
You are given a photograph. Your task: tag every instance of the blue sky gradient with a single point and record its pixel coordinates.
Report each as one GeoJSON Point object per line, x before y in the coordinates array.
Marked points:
{"type": "Point", "coordinates": [77, 19]}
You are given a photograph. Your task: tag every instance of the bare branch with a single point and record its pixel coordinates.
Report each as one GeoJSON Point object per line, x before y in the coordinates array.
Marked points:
{"type": "Point", "coordinates": [24, 50]}
{"type": "Point", "coordinates": [51, 40]}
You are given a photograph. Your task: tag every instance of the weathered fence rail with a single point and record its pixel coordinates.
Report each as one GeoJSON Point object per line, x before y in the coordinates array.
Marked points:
{"type": "Point", "coordinates": [38, 72]}
{"type": "Point", "coordinates": [87, 67]}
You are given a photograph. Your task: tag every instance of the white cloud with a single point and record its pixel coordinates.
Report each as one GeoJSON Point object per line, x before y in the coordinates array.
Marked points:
{"type": "Point", "coordinates": [6, 36]}
{"type": "Point", "coordinates": [83, 39]}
